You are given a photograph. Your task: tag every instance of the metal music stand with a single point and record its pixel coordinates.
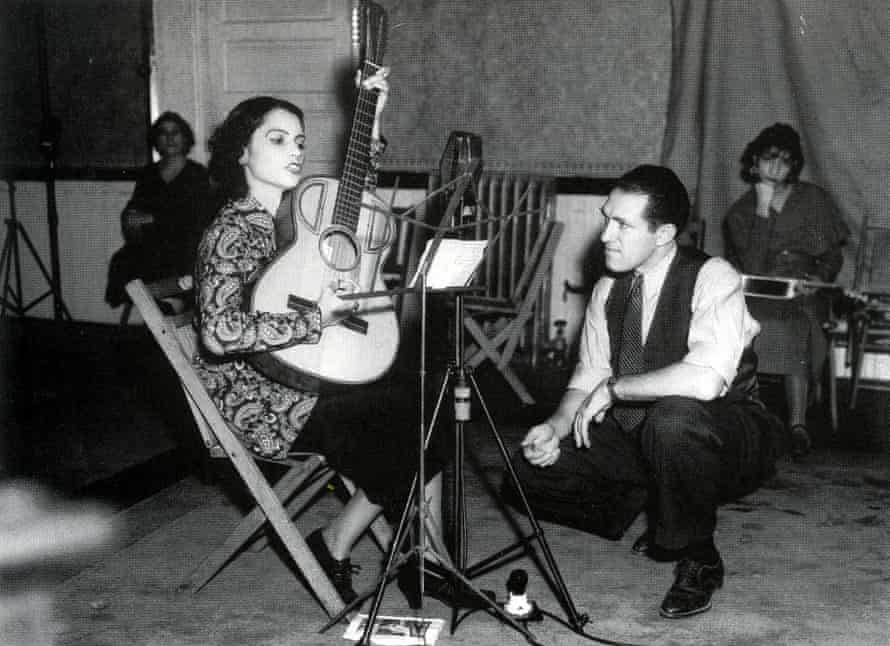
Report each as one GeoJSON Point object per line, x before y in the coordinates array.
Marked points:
{"type": "Point", "coordinates": [416, 508]}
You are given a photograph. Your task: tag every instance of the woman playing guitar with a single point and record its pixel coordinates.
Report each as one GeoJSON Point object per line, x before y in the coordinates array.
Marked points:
{"type": "Point", "coordinates": [365, 432]}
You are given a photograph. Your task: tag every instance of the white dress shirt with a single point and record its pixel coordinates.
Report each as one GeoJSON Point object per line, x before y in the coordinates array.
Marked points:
{"type": "Point", "coordinates": [720, 328]}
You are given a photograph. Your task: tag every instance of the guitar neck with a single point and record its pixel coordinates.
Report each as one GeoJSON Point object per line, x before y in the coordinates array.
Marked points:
{"type": "Point", "coordinates": [358, 155]}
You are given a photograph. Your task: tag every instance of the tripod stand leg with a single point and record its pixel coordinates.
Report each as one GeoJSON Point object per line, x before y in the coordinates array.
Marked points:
{"type": "Point", "coordinates": [13, 265]}
{"type": "Point", "coordinates": [9, 267]}
{"type": "Point", "coordinates": [446, 564]}
{"type": "Point", "coordinates": [576, 620]}
{"type": "Point", "coordinates": [60, 309]}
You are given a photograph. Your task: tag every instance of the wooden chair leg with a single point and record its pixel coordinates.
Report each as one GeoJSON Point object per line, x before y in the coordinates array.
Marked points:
{"type": "Point", "coordinates": [858, 358]}
{"type": "Point", "coordinates": [489, 349]}
{"type": "Point", "coordinates": [832, 389]}
{"type": "Point", "coordinates": [252, 523]}
{"type": "Point", "coordinates": [293, 541]}
{"type": "Point", "coordinates": [296, 503]}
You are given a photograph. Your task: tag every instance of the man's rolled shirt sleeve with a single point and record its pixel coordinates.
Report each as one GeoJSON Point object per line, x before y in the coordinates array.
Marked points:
{"type": "Point", "coordinates": [594, 353]}
{"type": "Point", "coordinates": [721, 327]}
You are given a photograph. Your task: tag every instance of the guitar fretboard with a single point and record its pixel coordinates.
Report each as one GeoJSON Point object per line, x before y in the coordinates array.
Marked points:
{"type": "Point", "coordinates": [358, 156]}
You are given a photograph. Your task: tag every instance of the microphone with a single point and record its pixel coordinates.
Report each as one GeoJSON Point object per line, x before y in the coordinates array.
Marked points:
{"type": "Point", "coordinates": [518, 605]}
{"type": "Point", "coordinates": [462, 154]}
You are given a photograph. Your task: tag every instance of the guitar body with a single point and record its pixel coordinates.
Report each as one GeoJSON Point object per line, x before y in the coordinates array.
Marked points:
{"type": "Point", "coordinates": [325, 252]}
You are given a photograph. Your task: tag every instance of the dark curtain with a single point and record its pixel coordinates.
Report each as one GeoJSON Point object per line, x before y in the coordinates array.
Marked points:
{"type": "Point", "coordinates": [822, 66]}
{"type": "Point", "coordinates": [74, 77]}
{"type": "Point", "coordinates": [570, 88]}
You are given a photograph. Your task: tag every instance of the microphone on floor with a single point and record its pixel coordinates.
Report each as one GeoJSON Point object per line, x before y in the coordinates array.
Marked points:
{"type": "Point", "coordinates": [518, 605]}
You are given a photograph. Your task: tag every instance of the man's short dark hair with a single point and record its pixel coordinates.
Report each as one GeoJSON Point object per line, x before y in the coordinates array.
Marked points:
{"type": "Point", "coordinates": [668, 199]}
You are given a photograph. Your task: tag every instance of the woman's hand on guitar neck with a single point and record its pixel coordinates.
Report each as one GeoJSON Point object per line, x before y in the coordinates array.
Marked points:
{"type": "Point", "coordinates": [377, 81]}
{"type": "Point", "coordinates": [333, 308]}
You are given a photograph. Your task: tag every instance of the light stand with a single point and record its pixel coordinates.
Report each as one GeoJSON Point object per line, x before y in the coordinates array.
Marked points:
{"type": "Point", "coordinates": [12, 298]}
{"type": "Point", "coordinates": [10, 260]}
{"type": "Point", "coordinates": [48, 143]}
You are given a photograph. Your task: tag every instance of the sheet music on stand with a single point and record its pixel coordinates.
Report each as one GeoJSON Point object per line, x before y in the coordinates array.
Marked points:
{"type": "Point", "coordinates": [453, 262]}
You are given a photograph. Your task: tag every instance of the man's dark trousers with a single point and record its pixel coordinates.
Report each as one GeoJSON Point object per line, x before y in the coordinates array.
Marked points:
{"type": "Point", "coordinates": [680, 463]}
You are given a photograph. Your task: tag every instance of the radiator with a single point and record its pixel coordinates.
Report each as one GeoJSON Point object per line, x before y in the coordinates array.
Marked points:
{"type": "Point", "coordinates": [530, 200]}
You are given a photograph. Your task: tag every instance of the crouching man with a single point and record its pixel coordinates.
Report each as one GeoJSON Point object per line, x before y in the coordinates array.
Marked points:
{"type": "Point", "coordinates": [662, 411]}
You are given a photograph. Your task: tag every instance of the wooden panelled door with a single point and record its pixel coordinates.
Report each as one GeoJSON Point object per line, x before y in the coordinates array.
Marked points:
{"type": "Point", "coordinates": [302, 51]}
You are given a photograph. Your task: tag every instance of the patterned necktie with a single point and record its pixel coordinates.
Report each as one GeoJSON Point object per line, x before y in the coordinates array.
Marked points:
{"type": "Point", "coordinates": [630, 354]}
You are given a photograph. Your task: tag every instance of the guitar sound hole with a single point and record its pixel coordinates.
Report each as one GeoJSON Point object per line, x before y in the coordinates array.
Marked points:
{"type": "Point", "coordinates": [339, 250]}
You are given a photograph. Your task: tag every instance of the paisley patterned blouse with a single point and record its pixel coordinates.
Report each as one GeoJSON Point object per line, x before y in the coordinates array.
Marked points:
{"type": "Point", "coordinates": [266, 415]}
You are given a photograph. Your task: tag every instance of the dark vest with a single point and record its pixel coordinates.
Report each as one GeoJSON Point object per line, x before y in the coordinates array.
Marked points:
{"type": "Point", "coordinates": [668, 337]}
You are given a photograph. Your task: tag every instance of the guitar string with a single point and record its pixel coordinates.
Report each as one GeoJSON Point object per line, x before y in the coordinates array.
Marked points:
{"type": "Point", "coordinates": [347, 204]}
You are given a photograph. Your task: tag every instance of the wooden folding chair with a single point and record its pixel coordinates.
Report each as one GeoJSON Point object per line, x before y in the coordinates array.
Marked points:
{"type": "Point", "coordinates": [513, 313]}
{"type": "Point", "coordinates": [307, 473]}
{"type": "Point", "coordinates": [175, 291]}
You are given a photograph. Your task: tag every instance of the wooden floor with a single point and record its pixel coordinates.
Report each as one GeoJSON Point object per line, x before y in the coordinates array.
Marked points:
{"type": "Point", "coordinates": [92, 413]}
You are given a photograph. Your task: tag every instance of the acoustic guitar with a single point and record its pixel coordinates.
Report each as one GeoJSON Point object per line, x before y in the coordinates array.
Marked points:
{"type": "Point", "coordinates": [343, 237]}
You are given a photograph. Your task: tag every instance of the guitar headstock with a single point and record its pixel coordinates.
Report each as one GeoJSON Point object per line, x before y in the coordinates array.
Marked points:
{"type": "Point", "coordinates": [373, 26]}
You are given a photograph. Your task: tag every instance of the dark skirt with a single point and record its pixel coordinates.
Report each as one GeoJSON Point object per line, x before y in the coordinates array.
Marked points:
{"type": "Point", "coordinates": [370, 434]}
{"type": "Point", "coordinates": [792, 340]}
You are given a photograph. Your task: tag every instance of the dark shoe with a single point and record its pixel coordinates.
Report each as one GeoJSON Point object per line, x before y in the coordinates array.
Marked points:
{"type": "Point", "coordinates": [338, 571]}
{"type": "Point", "coordinates": [643, 544]}
{"type": "Point", "coordinates": [800, 441]}
{"type": "Point", "coordinates": [694, 583]}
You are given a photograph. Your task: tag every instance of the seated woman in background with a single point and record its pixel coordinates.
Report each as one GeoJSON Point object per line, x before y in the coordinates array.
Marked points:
{"type": "Point", "coordinates": [788, 228]}
{"type": "Point", "coordinates": [166, 214]}
{"type": "Point", "coordinates": [367, 433]}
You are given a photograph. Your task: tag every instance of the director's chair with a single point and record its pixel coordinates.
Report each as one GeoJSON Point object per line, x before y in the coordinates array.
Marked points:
{"type": "Point", "coordinates": [306, 475]}
{"type": "Point", "coordinates": [512, 313]}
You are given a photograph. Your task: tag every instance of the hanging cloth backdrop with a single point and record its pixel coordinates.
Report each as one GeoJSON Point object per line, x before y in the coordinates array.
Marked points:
{"type": "Point", "coordinates": [569, 88]}
{"type": "Point", "coordinates": [822, 66]}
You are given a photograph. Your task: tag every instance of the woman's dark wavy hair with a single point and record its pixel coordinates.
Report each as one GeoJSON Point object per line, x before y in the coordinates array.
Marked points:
{"type": "Point", "coordinates": [187, 134]}
{"type": "Point", "coordinates": [668, 199]}
{"type": "Point", "coordinates": [229, 139]}
{"type": "Point", "coordinates": [780, 136]}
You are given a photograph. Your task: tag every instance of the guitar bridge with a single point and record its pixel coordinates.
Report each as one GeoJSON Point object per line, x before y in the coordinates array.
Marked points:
{"type": "Point", "coordinates": [356, 324]}
{"type": "Point", "coordinates": [299, 304]}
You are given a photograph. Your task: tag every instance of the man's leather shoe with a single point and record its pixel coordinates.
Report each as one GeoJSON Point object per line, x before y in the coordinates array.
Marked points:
{"type": "Point", "coordinates": [644, 543]}
{"type": "Point", "coordinates": [694, 583]}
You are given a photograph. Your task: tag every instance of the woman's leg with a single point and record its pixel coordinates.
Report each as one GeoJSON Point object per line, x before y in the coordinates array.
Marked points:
{"type": "Point", "coordinates": [433, 493]}
{"type": "Point", "coordinates": [342, 533]}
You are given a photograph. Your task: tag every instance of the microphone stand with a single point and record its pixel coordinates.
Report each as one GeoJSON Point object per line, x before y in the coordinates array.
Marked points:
{"type": "Point", "coordinates": [429, 541]}
{"type": "Point", "coordinates": [417, 508]}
